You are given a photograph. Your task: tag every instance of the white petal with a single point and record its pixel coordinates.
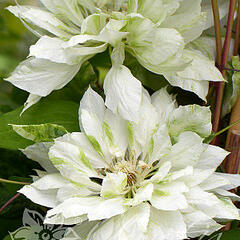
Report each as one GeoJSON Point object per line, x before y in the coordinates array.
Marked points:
{"type": "Point", "coordinates": [32, 218]}
{"type": "Point", "coordinates": [211, 157]}
{"type": "Point", "coordinates": [166, 225]}
{"type": "Point", "coordinates": [153, 46]}
{"type": "Point", "coordinates": [145, 128]}
{"type": "Point", "coordinates": [93, 103]}
{"type": "Point", "coordinates": [92, 126]}
{"type": "Point", "coordinates": [115, 131]}
{"type": "Point", "coordinates": [188, 20]}
{"type": "Point", "coordinates": [40, 77]}
{"type": "Point", "coordinates": [169, 203]}
{"type": "Point", "coordinates": [52, 49]}
{"type": "Point", "coordinates": [70, 191]}
{"type": "Point", "coordinates": [80, 39]}
{"type": "Point", "coordinates": [109, 130]}
{"type": "Point", "coordinates": [197, 176]}
{"type": "Point", "coordinates": [180, 174]}
{"type": "Point", "coordinates": [130, 225]}
{"type": "Point", "coordinates": [225, 193]}
{"type": "Point", "coordinates": [65, 9]}
{"type": "Point", "coordinates": [93, 24]}
{"type": "Point", "coordinates": [159, 9]}
{"type": "Point", "coordinates": [201, 198]}
{"type": "Point", "coordinates": [114, 184]}
{"type": "Point", "coordinates": [107, 35]}
{"type": "Point", "coordinates": [170, 187]}
{"type": "Point", "coordinates": [169, 196]}
{"type": "Point", "coordinates": [186, 151]}
{"type": "Point", "coordinates": [76, 151]}
{"type": "Point", "coordinates": [80, 179]}
{"type": "Point", "coordinates": [50, 181]}
{"type": "Point", "coordinates": [214, 207]}
{"type": "Point", "coordinates": [234, 180]}
{"type": "Point", "coordinates": [32, 99]}
{"type": "Point", "coordinates": [201, 68]}
{"type": "Point", "coordinates": [160, 143]}
{"type": "Point", "coordinates": [199, 223]}
{"type": "Point", "coordinates": [118, 55]}
{"type": "Point", "coordinates": [39, 153]}
{"type": "Point", "coordinates": [123, 92]}
{"type": "Point", "coordinates": [193, 78]}
{"type": "Point", "coordinates": [111, 33]}
{"type": "Point", "coordinates": [200, 88]}
{"type": "Point", "coordinates": [108, 208]}
{"type": "Point", "coordinates": [206, 45]}
{"type": "Point", "coordinates": [45, 198]}
{"type": "Point", "coordinates": [95, 207]}
{"type": "Point", "coordinates": [163, 102]}
{"type": "Point", "coordinates": [225, 209]}
{"type": "Point", "coordinates": [190, 118]}
{"type": "Point", "coordinates": [143, 194]}
{"type": "Point", "coordinates": [161, 173]}
{"type": "Point", "coordinates": [214, 181]}
{"type": "Point", "coordinates": [43, 19]}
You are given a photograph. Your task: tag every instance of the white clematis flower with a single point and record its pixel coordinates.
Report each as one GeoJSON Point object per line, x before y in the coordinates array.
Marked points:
{"type": "Point", "coordinates": [156, 32]}
{"type": "Point", "coordinates": [150, 179]}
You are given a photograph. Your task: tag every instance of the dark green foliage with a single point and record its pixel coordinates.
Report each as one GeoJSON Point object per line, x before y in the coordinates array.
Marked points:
{"type": "Point", "coordinates": [63, 113]}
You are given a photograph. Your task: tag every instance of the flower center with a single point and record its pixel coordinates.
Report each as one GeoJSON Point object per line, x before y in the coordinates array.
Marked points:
{"type": "Point", "coordinates": [131, 179]}
{"type": "Point", "coordinates": [135, 170]}
{"type": "Point", "coordinates": [128, 168]}
{"type": "Point", "coordinates": [114, 6]}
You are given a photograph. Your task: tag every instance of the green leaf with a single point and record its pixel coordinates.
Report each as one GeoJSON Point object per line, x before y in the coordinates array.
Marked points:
{"type": "Point", "coordinates": [10, 97]}
{"type": "Point", "coordinates": [13, 188]}
{"type": "Point", "coordinates": [40, 133]}
{"type": "Point", "coordinates": [232, 88]}
{"type": "Point", "coordinates": [213, 135]}
{"type": "Point", "coordinates": [208, 139]}
{"type": "Point", "coordinates": [227, 235]}
{"type": "Point", "coordinates": [6, 63]}
{"type": "Point", "coordinates": [64, 113]}
{"type": "Point", "coordinates": [9, 225]}
{"type": "Point", "coordinates": [7, 237]}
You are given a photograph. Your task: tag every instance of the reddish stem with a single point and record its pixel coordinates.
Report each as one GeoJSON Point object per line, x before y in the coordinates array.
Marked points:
{"type": "Point", "coordinates": [217, 28]}
{"type": "Point", "coordinates": [9, 202]}
{"type": "Point", "coordinates": [220, 86]}
{"type": "Point", "coordinates": [237, 36]}
{"type": "Point", "coordinates": [232, 69]}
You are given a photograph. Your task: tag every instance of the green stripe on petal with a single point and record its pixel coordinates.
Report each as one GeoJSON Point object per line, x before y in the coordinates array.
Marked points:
{"type": "Point", "coordinates": [160, 193]}
{"type": "Point", "coordinates": [57, 161]}
{"type": "Point", "coordinates": [96, 145]}
{"type": "Point", "coordinates": [108, 133]}
{"type": "Point", "coordinates": [130, 133]}
{"type": "Point", "coordinates": [84, 159]}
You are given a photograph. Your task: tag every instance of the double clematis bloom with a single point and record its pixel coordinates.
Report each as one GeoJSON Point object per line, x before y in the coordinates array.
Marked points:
{"type": "Point", "coordinates": [159, 34]}
{"type": "Point", "coordinates": [153, 179]}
